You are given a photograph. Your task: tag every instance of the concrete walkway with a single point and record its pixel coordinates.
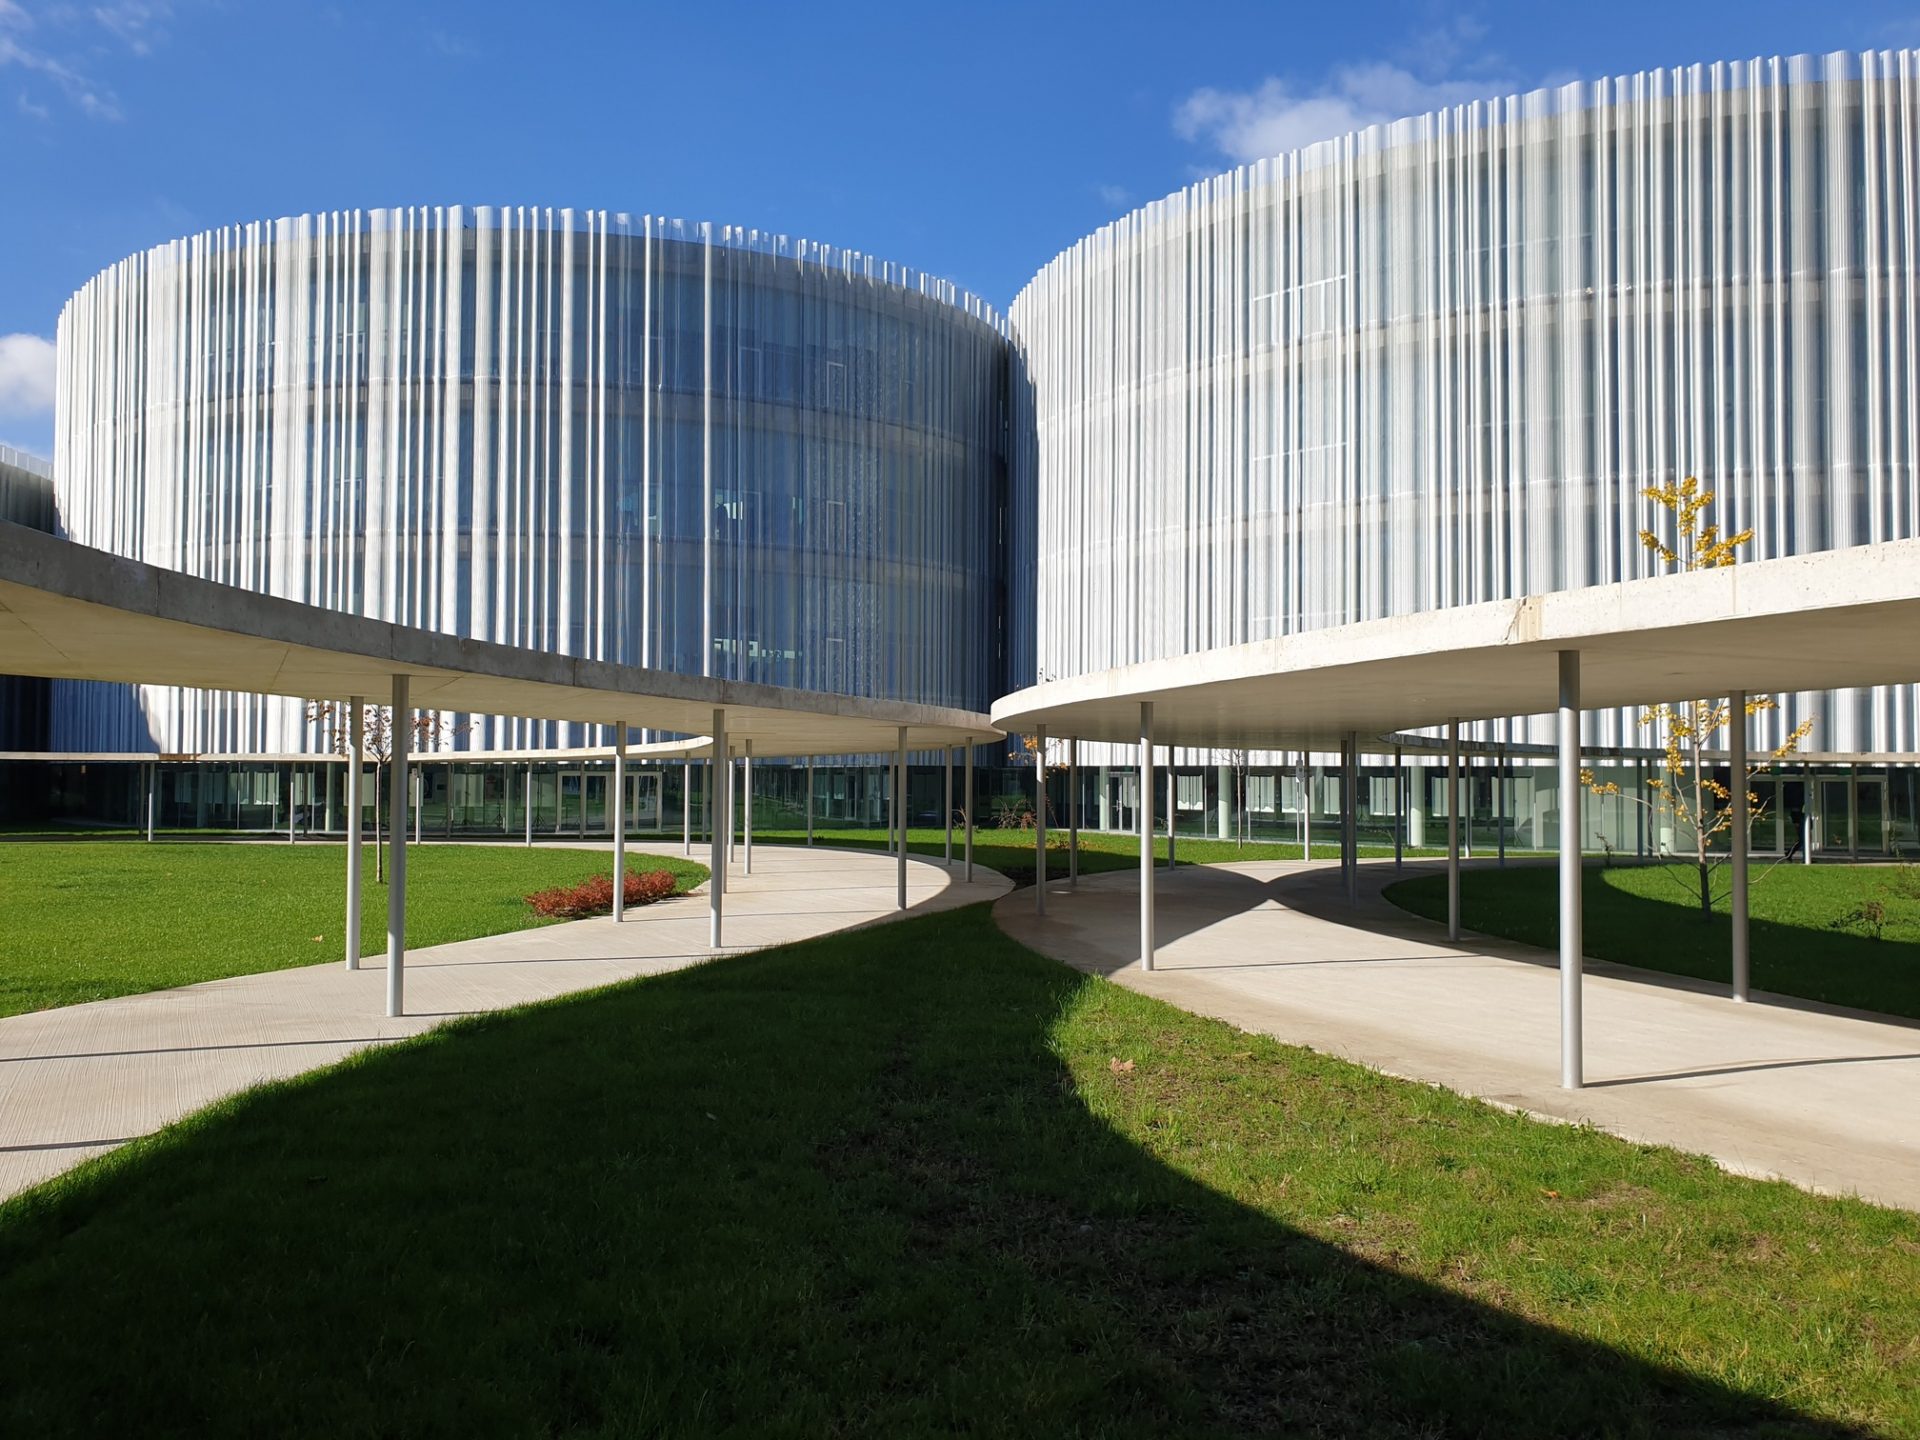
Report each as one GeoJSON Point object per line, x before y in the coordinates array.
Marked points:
{"type": "Point", "coordinates": [1823, 1097]}
{"type": "Point", "coordinates": [81, 1079]}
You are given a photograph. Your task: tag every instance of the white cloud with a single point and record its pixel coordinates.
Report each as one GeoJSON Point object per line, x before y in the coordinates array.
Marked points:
{"type": "Point", "coordinates": [1447, 63]}
{"type": "Point", "coordinates": [92, 99]}
{"type": "Point", "coordinates": [26, 376]}
{"type": "Point", "coordinates": [135, 23]}
{"type": "Point", "coordinates": [32, 110]}
{"type": "Point", "coordinates": [1117, 196]}
{"type": "Point", "coordinates": [454, 47]}
{"type": "Point", "coordinates": [1278, 116]}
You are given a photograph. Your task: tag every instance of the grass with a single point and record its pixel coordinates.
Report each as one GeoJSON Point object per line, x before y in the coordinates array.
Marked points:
{"type": "Point", "coordinates": [918, 1180]}
{"type": "Point", "coordinates": [92, 919]}
{"type": "Point", "coordinates": [1650, 916]}
{"type": "Point", "coordinates": [1010, 851]}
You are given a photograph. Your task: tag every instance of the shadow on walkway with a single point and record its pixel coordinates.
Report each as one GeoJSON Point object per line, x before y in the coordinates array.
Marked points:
{"type": "Point", "coordinates": [842, 1187]}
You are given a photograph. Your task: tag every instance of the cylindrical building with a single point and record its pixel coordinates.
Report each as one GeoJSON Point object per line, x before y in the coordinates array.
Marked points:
{"type": "Point", "coordinates": [698, 448]}
{"type": "Point", "coordinates": [1438, 361]}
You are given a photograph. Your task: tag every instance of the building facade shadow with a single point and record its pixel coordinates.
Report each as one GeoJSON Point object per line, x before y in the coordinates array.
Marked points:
{"type": "Point", "coordinates": [848, 1186]}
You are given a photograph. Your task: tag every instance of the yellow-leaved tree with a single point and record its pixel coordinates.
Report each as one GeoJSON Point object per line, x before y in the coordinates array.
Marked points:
{"type": "Point", "coordinates": [1687, 793]}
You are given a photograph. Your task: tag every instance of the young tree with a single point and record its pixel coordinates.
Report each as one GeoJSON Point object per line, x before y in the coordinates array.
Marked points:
{"type": "Point", "coordinates": [1057, 751]}
{"type": "Point", "coordinates": [1686, 791]}
{"type": "Point", "coordinates": [430, 731]}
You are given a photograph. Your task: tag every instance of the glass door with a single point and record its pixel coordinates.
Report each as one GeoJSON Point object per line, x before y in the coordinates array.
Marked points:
{"type": "Point", "coordinates": [593, 803]}
{"type": "Point", "coordinates": [1123, 802]}
{"type": "Point", "coordinates": [1832, 817]}
{"type": "Point", "coordinates": [1850, 816]}
{"type": "Point", "coordinates": [643, 800]}
{"type": "Point", "coordinates": [1783, 812]}
{"type": "Point", "coordinates": [1870, 817]}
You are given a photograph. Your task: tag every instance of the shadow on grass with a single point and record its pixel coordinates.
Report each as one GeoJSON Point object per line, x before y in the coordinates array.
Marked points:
{"type": "Point", "coordinates": [1805, 961]}
{"type": "Point", "coordinates": [842, 1187]}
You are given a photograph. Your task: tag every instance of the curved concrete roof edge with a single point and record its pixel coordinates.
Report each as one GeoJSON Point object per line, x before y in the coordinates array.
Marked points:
{"type": "Point", "coordinates": [64, 570]}
{"type": "Point", "coordinates": [1829, 602]}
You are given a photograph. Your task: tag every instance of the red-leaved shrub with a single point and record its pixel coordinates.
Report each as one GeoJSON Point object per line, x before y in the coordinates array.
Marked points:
{"type": "Point", "coordinates": [595, 896]}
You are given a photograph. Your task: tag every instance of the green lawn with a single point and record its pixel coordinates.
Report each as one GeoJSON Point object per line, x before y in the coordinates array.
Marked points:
{"type": "Point", "coordinates": [1649, 915]}
{"type": "Point", "coordinates": [918, 1180]}
{"type": "Point", "coordinates": [1010, 851]}
{"type": "Point", "coordinates": [91, 919]}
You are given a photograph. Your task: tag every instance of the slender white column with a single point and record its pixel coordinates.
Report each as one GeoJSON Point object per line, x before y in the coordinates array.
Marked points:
{"type": "Point", "coordinates": [1453, 829]}
{"type": "Point", "coordinates": [1073, 811]}
{"type": "Point", "coordinates": [152, 782]}
{"type": "Point", "coordinates": [809, 799]}
{"type": "Point", "coordinates": [1040, 820]}
{"type": "Point", "coordinates": [1340, 814]}
{"type": "Point", "coordinates": [619, 822]}
{"type": "Point", "coordinates": [686, 806]}
{"type": "Point", "coordinates": [1340, 819]}
{"type": "Point", "coordinates": [1173, 808]}
{"type": "Point", "coordinates": [946, 752]}
{"type": "Point", "coordinates": [900, 817]}
{"type": "Point", "coordinates": [417, 788]}
{"type": "Point", "coordinates": [1500, 806]}
{"type": "Point", "coordinates": [967, 809]}
{"type": "Point", "coordinates": [1399, 807]}
{"type": "Point", "coordinates": [723, 809]}
{"type": "Point", "coordinates": [401, 730]}
{"type": "Point", "coordinates": [356, 748]}
{"type": "Point", "coordinates": [291, 775]}
{"type": "Point", "coordinates": [529, 839]}
{"type": "Point", "coordinates": [1572, 958]}
{"type": "Point", "coordinates": [746, 824]}
{"type": "Point", "coordinates": [1346, 809]}
{"type": "Point", "coordinates": [1466, 802]}
{"type": "Point", "coordinates": [1350, 813]}
{"type": "Point", "coordinates": [1146, 834]}
{"type": "Point", "coordinates": [716, 832]}
{"type": "Point", "coordinates": [1304, 778]}
{"type": "Point", "coordinates": [1742, 819]}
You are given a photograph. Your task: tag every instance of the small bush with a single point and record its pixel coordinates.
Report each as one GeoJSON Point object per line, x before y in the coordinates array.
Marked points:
{"type": "Point", "coordinates": [1870, 917]}
{"type": "Point", "coordinates": [1012, 814]}
{"type": "Point", "coordinates": [594, 896]}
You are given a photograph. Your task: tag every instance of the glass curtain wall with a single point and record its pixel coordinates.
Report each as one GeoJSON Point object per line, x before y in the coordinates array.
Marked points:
{"type": "Point", "coordinates": [1438, 361]}
{"type": "Point", "coordinates": [690, 447]}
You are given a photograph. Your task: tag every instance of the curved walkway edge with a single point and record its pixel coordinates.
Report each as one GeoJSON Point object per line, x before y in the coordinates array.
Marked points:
{"type": "Point", "coordinates": [79, 1080]}
{"type": "Point", "coordinates": [1779, 1088]}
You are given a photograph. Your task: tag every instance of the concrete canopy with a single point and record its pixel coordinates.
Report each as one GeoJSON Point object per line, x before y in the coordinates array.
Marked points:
{"type": "Point", "coordinates": [71, 612]}
{"type": "Point", "coordinates": [1824, 621]}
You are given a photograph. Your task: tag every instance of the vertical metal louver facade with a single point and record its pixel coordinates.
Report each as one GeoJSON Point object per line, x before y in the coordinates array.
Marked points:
{"type": "Point", "coordinates": [1437, 361]}
{"type": "Point", "coordinates": [694, 447]}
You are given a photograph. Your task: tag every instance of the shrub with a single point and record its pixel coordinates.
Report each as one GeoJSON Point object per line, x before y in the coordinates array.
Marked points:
{"type": "Point", "coordinates": [1870, 916]}
{"type": "Point", "coordinates": [594, 896]}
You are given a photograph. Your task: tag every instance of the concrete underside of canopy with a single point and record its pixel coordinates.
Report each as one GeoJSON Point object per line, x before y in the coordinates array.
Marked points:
{"type": "Point", "coordinates": [1825, 621]}
{"type": "Point", "coordinates": [70, 612]}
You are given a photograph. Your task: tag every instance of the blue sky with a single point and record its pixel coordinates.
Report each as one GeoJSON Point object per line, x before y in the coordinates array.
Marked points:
{"type": "Point", "coordinates": [974, 141]}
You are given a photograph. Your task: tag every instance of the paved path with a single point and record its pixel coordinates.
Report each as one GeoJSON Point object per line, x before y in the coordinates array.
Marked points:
{"type": "Point", "coordinates": [81, 1079]}
{"type": "Point", "coordinates": [1824, 1097]}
